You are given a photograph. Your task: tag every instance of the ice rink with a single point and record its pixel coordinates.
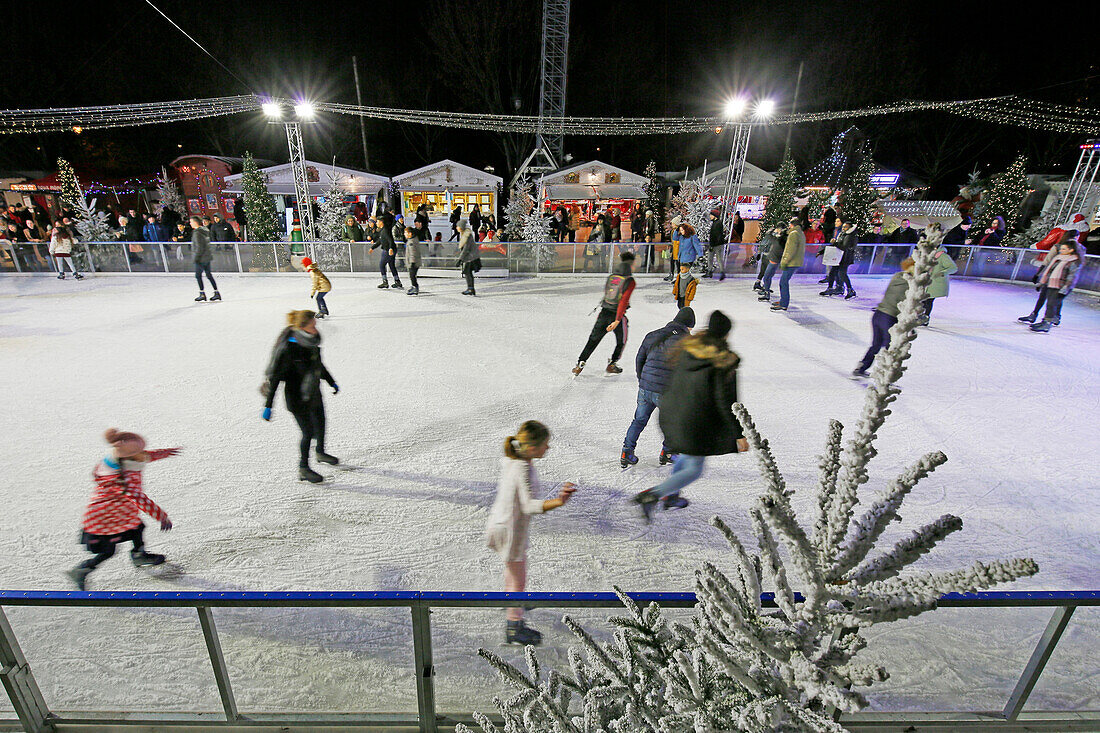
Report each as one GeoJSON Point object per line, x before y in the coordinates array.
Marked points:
{"type": "Point", "coordinates": [430, 386]}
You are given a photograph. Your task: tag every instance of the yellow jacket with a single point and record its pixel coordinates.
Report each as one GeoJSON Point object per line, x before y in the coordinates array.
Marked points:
{"type": "Point", "coordinates": [689, 294]}
{"type": "Point", "coordinates": [321, 283]}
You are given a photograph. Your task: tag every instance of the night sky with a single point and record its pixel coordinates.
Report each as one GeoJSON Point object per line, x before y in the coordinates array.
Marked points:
{"type": "Point", "coordinates": [626, 58]}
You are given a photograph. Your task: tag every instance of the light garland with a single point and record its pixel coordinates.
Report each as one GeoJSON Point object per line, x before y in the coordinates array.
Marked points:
{"type": "Point", "coordinates": [79, 119]}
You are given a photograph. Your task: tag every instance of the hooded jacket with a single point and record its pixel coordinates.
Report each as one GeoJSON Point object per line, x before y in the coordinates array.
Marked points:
{"type": "Point", "coordinates": [467, 246]}
{"type": "Point", "coordinates": [320, 282]}
{"type": "Point", "coordinates": [617, 290]}
{"type": "Point", "coordinates": [296, 362]}
{"type": "Point", "coordinates": [200, 246]}
{"type": "Point", "coordinates": [690, 285]}
{"type": "Point", "coordinates": [696, 408]}
{"type": "Point", "coordinates": [652, 363]}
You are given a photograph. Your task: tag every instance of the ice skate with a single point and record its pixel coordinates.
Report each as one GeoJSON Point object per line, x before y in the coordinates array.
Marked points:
{"type": "Point", "coordinates": [202, 297]}
{"type": "Point", "coordinates": [215, 296]}
{"type": "Point", "coordinates": [628, 459]}
{"type": "Point", "coordinates": [922, 320]}
{"type": "Point", "coordinates": [777, 307]}
{"type": "Point", "coordinates": [414, 290]}
{"type": "Point", "coordinates": [141, 558]}
{"type": "Point", "coordinates": [517, 632]}
{"type": "Point", "coordinates": [397, 285]}
{"type": "Point", "coordinates": [665, 458]}
{"type": "Point", "coordinates": [578, 369]}
{"type": "Point", "coordinates": [648, 502]}
{"type": "Point", "coordinates": [830, 291]}
{"type": "Point", "coordinates": [79, 575]}
{"type": "Point", "coordinates": [78, 276]}
{"type": "Point", "coordinates": [757, 286]}
{"type": "Point", "coordinates": [305, 473]}
{"type": "Point", "coordinates": [823, 280]}
{"type": "Point", "coordinates": [851, 294]}
{"type": "Point", "coordinates": [385, 285]}
{"type": "Point", "coordinates": [859, 373]}
{"type": "Point", "coordinates": [613, 368]}
{"type": "Point", "coordinates": [326, 458]}
{"type": "Point", "coordinates": [60, 276]}
{"type": "Point", "coordinates": [1042, 326]}
{"type": "Point", "coordinates": [674, 501]}
{"type": "Point", "coordinates": [1029, 318]}
{"type": "Point", "coordinates": [320, 316]}
{"type": "Point", "coordinates": [765, 296]}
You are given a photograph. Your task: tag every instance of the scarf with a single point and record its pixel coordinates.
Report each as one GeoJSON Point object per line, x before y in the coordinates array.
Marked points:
{"type": "Point", "coordinates": [308, 340]}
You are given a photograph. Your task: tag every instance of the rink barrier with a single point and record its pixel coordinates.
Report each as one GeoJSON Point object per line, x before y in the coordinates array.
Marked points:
{"type": "Point", "coordinates": [517, 259]}
{"type": "Point", "coordinates": [35, 716]}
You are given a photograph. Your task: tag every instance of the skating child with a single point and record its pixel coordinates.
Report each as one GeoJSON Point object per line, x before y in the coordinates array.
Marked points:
{"type": "Point", "coordinates": [322, 286]}
{"type": "Point", "coordinates": [413, 258]}
{"type": "Point", "coordinates": [683, 287]}
{"type": "Point", "coordinates": [113, 514]}
{"type": "Point", "coordinates": [506, 529]}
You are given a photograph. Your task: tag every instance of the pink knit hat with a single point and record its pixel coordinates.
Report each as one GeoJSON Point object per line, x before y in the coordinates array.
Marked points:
{"type": "Point", "coordinates": [126, 445]}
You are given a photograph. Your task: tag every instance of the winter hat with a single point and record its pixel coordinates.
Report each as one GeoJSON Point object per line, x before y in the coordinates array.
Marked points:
{"type": "Point", "coordinates": [675, 221]}
{"type": "Point", "coordinates": [1078, 223]}
{"type": "Point", "coordinates": [719, 325]}
{"type": "Point", "coordinates": [306, 262]}
{"type": "Point", "coordinates": [126, 445]}
{"type": "Point", "coordinates": [686, 317]}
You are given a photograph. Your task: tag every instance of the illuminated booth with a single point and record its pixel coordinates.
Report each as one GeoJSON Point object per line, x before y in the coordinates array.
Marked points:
{"type": "Point", "coordinates": [442, 186]}
{"type": "Point", "coordinates": [588, 189]}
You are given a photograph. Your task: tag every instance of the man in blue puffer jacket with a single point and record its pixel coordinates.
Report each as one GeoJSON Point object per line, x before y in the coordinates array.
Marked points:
{"type": "Point", "coordinates": [654, 372]}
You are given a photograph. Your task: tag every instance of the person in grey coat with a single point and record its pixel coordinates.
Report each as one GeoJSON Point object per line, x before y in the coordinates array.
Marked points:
{"type": "Point", "coordinates": [467, 254]}
{"type": "Point", "coordinates": [200, 250]}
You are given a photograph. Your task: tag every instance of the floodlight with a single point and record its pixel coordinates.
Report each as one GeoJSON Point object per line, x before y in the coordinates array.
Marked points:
{"type": "Point", "coordinates": [765, 108]}
{"type": "Point", "coordinates": [304, 110]}
{"type": "Point", "coordinates": [735, 107]}
{"type": "Point", "coordinates": [272, 109]}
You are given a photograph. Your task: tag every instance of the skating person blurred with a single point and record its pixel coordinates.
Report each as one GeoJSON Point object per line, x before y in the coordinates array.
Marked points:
{"type": "Point", "coordinates": [412, 258]}
{"type": "Point", "coordinates": [1056, 280]}
{"type": "Point", "coordinates": [202, 256]}
{"type": "Point", "coordinates": [296, 363]}
{"type": "Point", "coordinates": [684, 286]}
{"type": "Point", "coordinates": [61, 249]}
{"type": "Point", "coordinates": [654, 370]}
{"type": "Point", "coordinates": [942, 267]}
{"type": "Point", "coordinates": [716, 246]}
{"type": "Point", "coordinates": [383, 237]}
{"type": "Point", "coordinates": [320, 286]}
{"type": "Point", "coordinates": [114, 512]}
{"type": "Point", "coordinates": [696, 415]}
{"type": "Point", "coordinates": [612, 317]}
{"type": "Point", "coordinates": [771, 251]}
{"type": "Point", "coordinates": [507, 527]}
{"type": "Point", "coordinates": [468, 259]}
{"type": "Point", "coordinates": [885, 316]}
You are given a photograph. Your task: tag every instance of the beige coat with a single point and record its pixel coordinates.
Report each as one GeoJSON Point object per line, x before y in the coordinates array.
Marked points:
{"type": "Point", "coordinates": [321, 283]}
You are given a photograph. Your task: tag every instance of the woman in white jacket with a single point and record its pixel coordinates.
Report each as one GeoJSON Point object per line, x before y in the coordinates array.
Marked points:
{"type": "Point", "coordinates": [506, 529]}
{"type": "Point", "coordinates": [61, 249]}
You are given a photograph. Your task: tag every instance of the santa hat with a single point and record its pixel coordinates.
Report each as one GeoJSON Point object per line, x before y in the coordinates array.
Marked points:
{"type": "Point", "coordinates": [1077, 222]}
{"type": "Point", "coordinates": [126, 445]}
{"type": "Point", "coordinates": [306, 262]}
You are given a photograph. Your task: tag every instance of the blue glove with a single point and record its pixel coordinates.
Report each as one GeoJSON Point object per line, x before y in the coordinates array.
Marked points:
{"type": "Point", "coordinates": [266, 414]}
{"type": "Point", "coordinates": [335, 388]}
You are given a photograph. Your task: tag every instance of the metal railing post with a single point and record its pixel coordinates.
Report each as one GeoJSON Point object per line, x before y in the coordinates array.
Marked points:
{"type": "Point", "coordinates": [163, 255]}
{"type": "Point", "coordinates": [15, 256]}
{"type": "Point", "coordinates": [275, 251]}
{"type": "Point", "coordinates": [969, 258]}
{"type": "Point", "coordinates": [574, 258]}
{"type": "Point", "coordinates": [1020, 257]}
{"type": "Point", "coordinates": [126, 256]}
{"type": "Point", "coordinates": [537, 250]}
{"type": "Point", "coordinates": [237, 252]}
{"type": "Point", "coordinates": [217, 661]}
{"type": "Point", "coordinates": [425, 670]}
{"type": "Point", "coordinates": [1039, 658]}
{"type": "Point", "coordinates": [91, 262]}
{"type": "Point", "coordinates": [351, 257]}
{"type": "Point", "coordinates": [22, 688]}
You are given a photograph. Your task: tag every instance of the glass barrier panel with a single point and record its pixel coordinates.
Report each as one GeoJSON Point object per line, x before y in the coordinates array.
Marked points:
{"type": "Point", "coordinates": [331, 256]}
{"type": "Point", "coordinates": [109, 257]}
{"type": "Point", "coordinates": [1063, 685]}
{"type": "Point", "coordinates": [8, 257]}
{"type": "Point", "coordinates": [1090, 275]}
{"type": "Point", "coordinates": [144, 256]}
{"type": "Point", "coordinates": [992, 262]}
{"type": "Point", "coordinates": [34, 257]}
{"type": "Point", "coordinates": [287, 254]}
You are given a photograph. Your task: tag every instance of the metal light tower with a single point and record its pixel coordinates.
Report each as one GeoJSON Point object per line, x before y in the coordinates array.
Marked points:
{"type": "Point", "coordinates": [303, 112]}
{"type": "Point", "coordinates": [739, 150]}
{"type": "Point", "coordinates": [555, 60]}
{"type": "Point", "coordinates": [1083, 179]}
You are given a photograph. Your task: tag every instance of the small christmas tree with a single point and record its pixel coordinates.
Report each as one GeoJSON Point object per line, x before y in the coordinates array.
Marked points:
{"type": "Point", "coordinates": [743, 666]}
{"type": "Point", "coordinates": [91, 223]}
{"type": "Point", "coordinates": [693, 206]}
{"type": "Point", "coordinates": [332, 213]}
{"type": "Point", "coordinates": [858, 200]}
{"type": "Point", "coordinates": [71, 194]}
{"type": "Point", "coordinates": [259, 208]}
{"type": "Point", "coordinates": [169, 194]}
{"type": "Point", "coordinates": [781, 195]}
{"type": "Point", "coordinates": [654, 192]}
{"type": "Point", "coordinates": [520, 203]}
{"type": "Point", "coordinates": [526, 222]}
{"type": "Point", "coordinates": [1005, 196]}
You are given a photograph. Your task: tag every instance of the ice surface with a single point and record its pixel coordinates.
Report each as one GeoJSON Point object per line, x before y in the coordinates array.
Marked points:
{"type": "Point", "coordinates": [429, 388]}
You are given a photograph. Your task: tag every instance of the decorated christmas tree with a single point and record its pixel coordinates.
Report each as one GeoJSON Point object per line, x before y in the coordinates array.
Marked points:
{"type": "Point", "coordinates": [1005, 195]}
{"type": "Point", "coordinates": [169, 194]}
{"type": "Point", "coordinates": [693, 206]}
{"type": "Point", "coordinates": [858, 200]}
{"type": "Point", "coordinates": [71, 194]}
{"type": "Point", "coordinates": [259, 208]}
{"type": "Point", "coordinates": [654, 192]}
{"type": "Point", "coordinates": [784, 664]}
{"type": "Point", "coordinates": [781, 195]}
{"type": "Point", "coordinates": [332, 213]}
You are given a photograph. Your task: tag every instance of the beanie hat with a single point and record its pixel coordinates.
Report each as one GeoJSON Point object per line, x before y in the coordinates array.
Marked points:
{"type": "Point", "coordinates": [719, 325]}
{"type": "Point", "coordinates": [686, 317]}
{"type": "Point", "coordinates": [306, 262]}
{"type": "Point", "coordinates": [125, 445]}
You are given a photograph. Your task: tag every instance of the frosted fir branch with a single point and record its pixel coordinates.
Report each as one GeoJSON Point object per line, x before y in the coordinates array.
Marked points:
{"type": "Point", "coordinates": [978, 576]}
{"type": "Point", "coordinates": [863, 675]}
{"type": "Point", "coordinates": [814, 722]}
{"type": "Point", "coordinates": [891, 608]}
{"type": "Point", "coordinates": [769, 470]}
{"type": "Point", "coordinates": [869, 527]}
{"type": "Point", "coordinates": [508, 673]}
{"type": "Point", "coordinates": [906, 551]}
{"type": "Point", "coordinates": [773, 566]}
{"type": "Point", "coordinates": [532, 663]}
{"type": "Point", "coordinates": [750, 582]}
{"type": "Point", "coordinates": [829, 468]}
{"type": "Point", "coordinates": [839, 651]}
{"type": "Point", "coordinates": [779, 514]}
{"type": "Point", "coordinates": [596, 654]}
{"type": "Point", "coordinates": [721, 657]}
{"type": "Point", "coordinates": [825, 686]}
{"type": "Point", "coordinates": [521, 701]}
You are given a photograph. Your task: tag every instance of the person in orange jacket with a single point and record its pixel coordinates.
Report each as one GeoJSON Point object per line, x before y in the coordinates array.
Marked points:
{"type": "Point", "coordinates": [684, 286]}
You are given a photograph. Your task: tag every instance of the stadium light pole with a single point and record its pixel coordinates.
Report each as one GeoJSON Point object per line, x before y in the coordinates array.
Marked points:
{"type": "Point", "coordinates": [735, 113]}
{"type": "Point", "coordinates": [303, 112]}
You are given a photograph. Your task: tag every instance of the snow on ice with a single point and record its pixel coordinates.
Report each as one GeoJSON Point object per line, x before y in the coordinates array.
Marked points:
{"type": "Point", "coordinates": [430, 387]}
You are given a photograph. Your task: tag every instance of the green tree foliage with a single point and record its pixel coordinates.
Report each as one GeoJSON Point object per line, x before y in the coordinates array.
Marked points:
{"type": "Point", "coordinates": [858, 201]}
{"type": "Point", "coordinates": [780, 197]}
{"type": "Point", "coordinates": [259, 208]}
{"type": "Point", "coordinates": [1006, 193]}
{"type": "Point", "coordinates": [71, 195]}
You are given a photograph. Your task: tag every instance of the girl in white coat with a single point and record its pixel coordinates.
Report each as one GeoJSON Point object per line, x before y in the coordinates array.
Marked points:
{"type": "Point", "coordinates": [506, 529]}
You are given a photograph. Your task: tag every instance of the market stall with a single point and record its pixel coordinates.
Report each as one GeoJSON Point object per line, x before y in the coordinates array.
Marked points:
{"type": "Point", "coordinates": [444, 185]}
{"type": "Point", "coordinates": [586, 190]}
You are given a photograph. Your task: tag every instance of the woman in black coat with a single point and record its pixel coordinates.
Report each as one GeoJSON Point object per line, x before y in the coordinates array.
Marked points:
{"type": "Point", "coordinates": [696, 411]}
{"type": "Point", "coordinates": [296, 363]}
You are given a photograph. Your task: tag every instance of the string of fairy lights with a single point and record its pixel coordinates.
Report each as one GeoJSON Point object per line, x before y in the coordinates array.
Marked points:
{"type": "Point", "coordinates": [1010, 110]}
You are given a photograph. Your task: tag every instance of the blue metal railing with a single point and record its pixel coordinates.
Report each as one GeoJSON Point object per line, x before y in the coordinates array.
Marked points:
{"type": "Point", "coordinates": [36, 717]}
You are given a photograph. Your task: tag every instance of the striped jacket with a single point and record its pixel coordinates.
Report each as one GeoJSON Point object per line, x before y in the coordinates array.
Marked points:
{"type": "Point", "coordinates": [118, 500]}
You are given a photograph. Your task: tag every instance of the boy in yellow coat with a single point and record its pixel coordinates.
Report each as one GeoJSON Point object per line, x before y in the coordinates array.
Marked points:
{"type": "Point", "coordinates": [321, 286]}
{"type": "Point", "coordinates": [683, 287]}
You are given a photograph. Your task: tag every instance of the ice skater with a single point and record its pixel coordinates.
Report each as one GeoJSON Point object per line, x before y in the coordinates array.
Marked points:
{"type": "Point", "coordinates": [114, 512]}
{"type": "Point", "coordinates": [884, 317]}
{"type": "Point", "coordinates": [612, 318]}
{"type": "Point", "coordinates": [654, 370]}
{"type": "Point", "coordinates": [320, 286]}
{"type": "Point", "coordinates": [296, 363]}
{"type": "Point", "coordinates": [61, 249]}
{"type": "Point", "coordinates": [942, 267]}
{"type": "Point", "coordinates": [383, 237]}
{"type": "Point", "coordinates": [507, 527]}
{"type": "Point", "coordinates": [203, 256]}
{"type": "Point", "coordinates": [696, 412]}
{"type": "Point", "coordinates": [684, 286]}
{"type": "Point", "coordinates": [1055, 281]}
{"type": "Point", "coordinates": [412, 258]}
{"type": "Point", "coordinates": [468, 260]}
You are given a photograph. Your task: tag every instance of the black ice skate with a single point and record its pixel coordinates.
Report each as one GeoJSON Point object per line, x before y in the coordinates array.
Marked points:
{"type": "Point", "coordinates": [859, 373]}
{"type": "Point", "coordinates": [385, 285]}
{"type": "Point", "coordinates": [326, 458]}
{"type": "Point", "coordinates": [613, 368]}
{"type": "Point", "coordinates": [851, 294]}
{"type": "Point", "coordinates": [319, 315]}
{"type": "Point", "coordinates": [665, 458]}
{"type": "Point", "coordinates": [1029, 318]}
{"type": "Point", "coordinates": [414, 290]}
{"type": "Point", "coordinates": [397, 285]}
{"type": "Point", "coordinates": [518, 632]}
{"type": "Point", "coordinates": [765, 295]}
{"type": "Point", "coordinates": [79, 575]}
{"type": "Point", "coordinates": [628, 459]}
{"type": "Point", "coordinates": [141, 558]}
{"type": "Point", "coordinates": [305, 473]}
{"type": "Point", "coordinates": [579, 368]}
{"type": "Point", "coordinates": [202, 297]}
{"type": "Point", "coordinates": [648, 502]}
{"type": "Point", "coordinates": [674, 501]}
{"type": "Point", "coordinates": [60, 276]}
{"type": "Point", "coordinates": [216, 296]}
{"type": "Point", "coordinates": [78, 276]}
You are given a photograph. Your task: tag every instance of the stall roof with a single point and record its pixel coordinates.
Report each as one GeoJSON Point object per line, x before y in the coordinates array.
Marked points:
{"type": "Point", "coordinates": [281, 180]}
{"type": "Point", "coordinates": [231, 162]}
{"type": "Point", "coordinates": [593, 168]}
{"type": "Point", "coordinates": [91, 183]}
{"type": "Point", "coordinates": [468, 178]}
{"type": "Point", "coordinates": [755, 181]}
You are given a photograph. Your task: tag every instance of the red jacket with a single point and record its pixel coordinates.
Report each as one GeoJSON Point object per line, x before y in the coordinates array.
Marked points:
{"type": "Point", "coordinates": [117, 501]}
{"type": "Point", "coordinates": [815, 236]}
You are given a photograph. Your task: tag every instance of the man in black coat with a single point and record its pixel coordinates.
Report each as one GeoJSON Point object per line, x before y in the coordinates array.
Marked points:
{"type": "Point", "coordinates": [654, 371]}
{"type": "Point", "coordinates": [221, 230]}
{"type": "Point", "coordinates": [716, 243]}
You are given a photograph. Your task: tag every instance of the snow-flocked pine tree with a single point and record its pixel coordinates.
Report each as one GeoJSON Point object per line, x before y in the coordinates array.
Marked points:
{"type": "Point", "coordinates": [780, 205]}
{"type": "Point", "coordinates": [169, 194]}
{"type": "Point", "coordinates": [91, 223]}
{"type": "Point", "coordinates": [743, 664]}
{"type": "Point", "coordinates": [693, 206]}
{"type": "Point", "coordinates": [526, 223]}
{"type": "Point", "coordinates": [332, 213]}
{"type": "Point", "coordinates": [520, 202]}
